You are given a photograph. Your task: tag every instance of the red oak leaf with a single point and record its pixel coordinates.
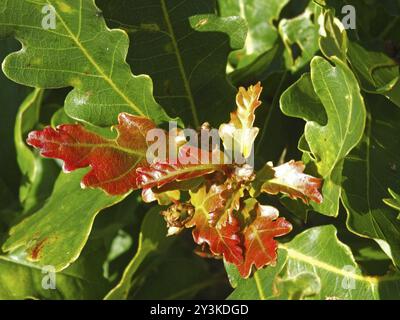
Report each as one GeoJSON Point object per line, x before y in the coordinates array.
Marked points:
{"type": "Point", "coordinates": [191, 163]}
{"type": "Point", "coordinates": [113, 161]}
{"type": "Point", "coordinates": [259, 244]}
{"type": "Point", "coordinates": [290, 180]}
{"type": "Point", "coordinates": [222, 238]}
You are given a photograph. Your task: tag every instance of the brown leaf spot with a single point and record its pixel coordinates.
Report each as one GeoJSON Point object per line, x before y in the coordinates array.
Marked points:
{"type": "Point", "coordinates": [37, 248]}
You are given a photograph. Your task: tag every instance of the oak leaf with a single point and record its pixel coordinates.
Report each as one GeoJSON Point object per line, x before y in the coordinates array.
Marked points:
{"type": "Point", "coordinates": [260, 247]}
{"type": "Point", "coordinates": [289, 179]}
{"type": "Point", "coordinates": [190, 163]}
{"type": "Point", "coordinates": [113, 162]}
{"type": "Point", "coordinates": [239, 132]}
{"type": "Point", "coordinates": [223, 239]}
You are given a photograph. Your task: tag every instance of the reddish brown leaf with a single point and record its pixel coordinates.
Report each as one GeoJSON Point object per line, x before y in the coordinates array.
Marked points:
{"type": "Point", "coordinates": [260, 246]}
{"type": "Point", "coordinates": [177, 216]}
{"type": "Point", "coordinates": [231, 195]}
{"type": "Point", "coordinates": [223, 238]}
{"type": "Point", "coordinates": [290, 180]}
{"type": "Point", "coordinates": [113, 162]}
{"type": "Point", "coordinates": [189, 164]}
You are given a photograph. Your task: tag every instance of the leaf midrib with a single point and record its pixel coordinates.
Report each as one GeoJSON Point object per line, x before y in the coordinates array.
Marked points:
{"type": "Point", "coordinates": [374, 223]}
{"type": "Point", "coordinates": [40, 269]}
{"type": "Point", "coordinates": [299, 256]}
{"type": "Point", "coordinates": [105, 145]}
{"type": "Point", "coordinates": [85, 52]}
{"type": "Point", "coordinates": [204, 167]}
{"type": "Point", "coordinates": [179, 59]}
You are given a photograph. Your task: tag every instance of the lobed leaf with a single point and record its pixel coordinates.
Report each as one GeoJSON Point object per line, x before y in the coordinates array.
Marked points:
{"type": "Point", "coordinates": [78, 282]}
{"type": "Point", "coordinates": [259, 243]}
{"type": "Point", "coordinates": [394, 202]}
{"type": "Point", "coordinates": [239, 132]}
{"type": "Point", "coordinates": [81, 52]}
{"type": "Point", "coordinates": [377, 72]}
{"type": "Point", "coordinates": [113, 162]}
{"type": "Point", "coordinates": [243, 236]}
{"type": "Point", "coordinates": [11, 97]}
{"type": "Point", "coordinates": [38, 174]}
{"type": "Point", "coordinates": [333, 38]}
{"type": "Point", "coordinates": [62, 225]}
{"type": "Point", "coordinates": [371, 169]}
{"type": "Point", "coordinates": [300, 37]}
{"type": "Point", "coordinates": [260, 16]}
{"type": "Point", "coordinates": [289, 179]}
{"type": "Point", "coordinates": [151, 240]}
{"type": "Point", "coordinates": [314, 265]}
{"type": "Point", "coordinates": [223, 239]}
{"type": "Point", "coordinates": [183, 46]}
{"type": "Point", "coordinates": [191, 163]}
{"type": "Point", "coordinates": [341, 104]}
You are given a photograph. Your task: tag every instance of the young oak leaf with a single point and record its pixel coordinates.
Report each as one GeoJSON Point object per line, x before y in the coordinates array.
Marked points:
{"type": "Point", "coordinates": [177, 216]}
{"type": "Point", "coordinates": [260, 247]}
{"type": "Point", "coordinates": [239, 133]}
{"type": "Point", "coordinates": [163, 198]}
{"type": "Point", "coordinates": [191, 163]}
{"type": "Point", "coordinates": [223, 239]}
{"type": "Point", "coordinates": [288, 179]}
{"type": "Point", "coordinates": [113, 162]}
{"type": "Point", "coordinates": [232, 192]}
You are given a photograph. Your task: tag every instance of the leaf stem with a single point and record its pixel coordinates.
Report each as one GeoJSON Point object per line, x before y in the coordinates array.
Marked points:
{"type": "Point", "coordinates": [180, 63]}
{"type": "Point", "coordinates": [259, 286]}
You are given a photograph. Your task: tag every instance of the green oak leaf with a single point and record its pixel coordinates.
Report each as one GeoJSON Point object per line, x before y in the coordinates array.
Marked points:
{"type": "Point", "coordinates": [162, 268]}
{"type": "Point", "coordinates": [84, 278]}
{"type": "Point", "coordinates": [11, 96]}
{"type": "Point", "coordinates": [260, 16]}
{"type": "Point", "coordinates": [257, 287]}
{"type": "Point", "coordinates": [76, 282]}
{"type": "Point", "coordinates": [300, 37]}
{"type": "Point", "coordinates": [333, 38]}
{"type": "Point", "coordinates": [369, 170]}
{"type": "Point", "coordinates": [38, 173]}
{"type": "Point", "coordinates": [60, 117]}
{"type": "Point", "coordinates": [56, 234]}
{"type": "Point", "coordinates": [266, 65]}
{"type": "Point", "coordinates": [81, 52]}
{"type": "Point", "coordinates": [393, 202]}
{"type": "Point", "coordinates": [314, 265]}
{"type": "Point", "coordinates": [374, 18]}
{"type": "Point", "coordinates": [376, 71]}
{"type": "Point", "coordinates": [151, 241]}
{"type": "Point", "coordinates": [336, 90]}
{"type": "Point", "coordinates": [184, 47]}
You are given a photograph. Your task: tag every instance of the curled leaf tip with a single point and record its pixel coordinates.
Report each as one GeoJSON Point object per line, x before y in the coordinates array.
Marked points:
{"type": "Point", "coordinates": [239, 134]}
{"type": "Point", "coordinates": [289, 179]}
